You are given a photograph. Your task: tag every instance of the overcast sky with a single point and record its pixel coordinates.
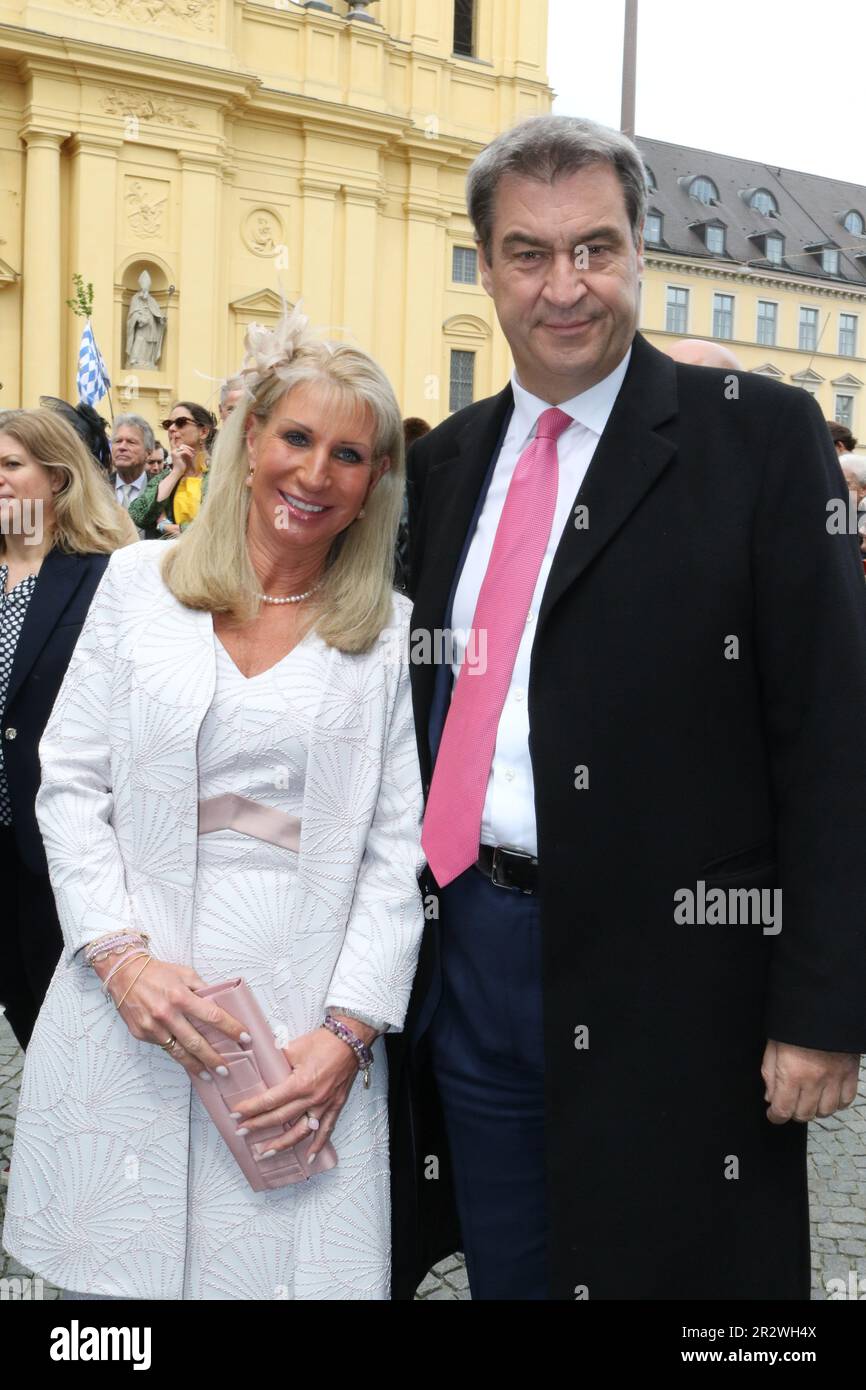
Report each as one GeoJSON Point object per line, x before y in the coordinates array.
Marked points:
{"type": "Point", "coordinates": [781, 83]}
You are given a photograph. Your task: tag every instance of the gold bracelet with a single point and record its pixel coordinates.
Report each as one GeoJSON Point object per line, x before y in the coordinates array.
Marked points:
{"type": "Point", "coordinates": [138, 976]}
{"type": "Point", "coordinates": [121, 965]}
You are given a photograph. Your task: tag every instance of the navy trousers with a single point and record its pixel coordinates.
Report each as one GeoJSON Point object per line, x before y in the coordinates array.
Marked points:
{"type": "Point", "coordinates": [487, 1048]}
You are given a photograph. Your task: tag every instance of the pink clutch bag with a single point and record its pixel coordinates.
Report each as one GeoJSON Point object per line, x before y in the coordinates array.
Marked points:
{"type": "Point", "coordinates": [253, 1068]}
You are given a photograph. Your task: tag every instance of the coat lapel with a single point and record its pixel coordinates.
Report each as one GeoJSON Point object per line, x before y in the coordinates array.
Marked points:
{"type": "Point", "coordinates": [629, 458]}
{"type": "Point", "coordinates": [451, 494]}
{"type": "Point", "coordinates": [59, 577]}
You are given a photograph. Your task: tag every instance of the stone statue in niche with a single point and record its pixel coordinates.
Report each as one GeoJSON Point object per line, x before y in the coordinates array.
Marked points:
{"type": "Point", "coordinates": [145, 327]}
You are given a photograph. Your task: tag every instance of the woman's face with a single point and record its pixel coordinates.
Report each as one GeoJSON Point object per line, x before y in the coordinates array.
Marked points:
{"type": "Point", "coordinates": [182, 429]}
{"type": "Point", "coordinates": [312, 464]}
{"type": "Point", "coordinates": [23, 478]}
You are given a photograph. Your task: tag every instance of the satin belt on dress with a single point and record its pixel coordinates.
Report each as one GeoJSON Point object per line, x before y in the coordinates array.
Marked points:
{"type": "Point", "coordinates": [234, 812]}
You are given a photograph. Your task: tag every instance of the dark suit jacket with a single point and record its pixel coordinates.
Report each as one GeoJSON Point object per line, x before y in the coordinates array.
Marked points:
{"type": "Point", "coordinates": [701, 651]}
{"type": "Point", "coordinates": [54, 618]}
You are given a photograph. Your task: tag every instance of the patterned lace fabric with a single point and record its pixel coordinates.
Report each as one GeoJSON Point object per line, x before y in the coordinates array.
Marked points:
{"type": "Point", "coordinates": [13, 610]}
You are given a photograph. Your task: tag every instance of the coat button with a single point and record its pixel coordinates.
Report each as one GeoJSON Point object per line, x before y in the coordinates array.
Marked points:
{"type": "Point", "coordinates": [10, 733]}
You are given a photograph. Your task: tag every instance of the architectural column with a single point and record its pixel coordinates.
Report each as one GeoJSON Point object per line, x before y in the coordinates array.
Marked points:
{"type": "Point", "coordinates": [317, 252]}
{"type": "Point", "coordinates": [41, 277]}
{"type": "Point", "coordinates": [360, 290]}
{"type": "Point", "coordinates": [199, 285]}
{"type": "Point", "coordinates": [92, 221]}
{"type": "Point", "coordinates": [424, 392]}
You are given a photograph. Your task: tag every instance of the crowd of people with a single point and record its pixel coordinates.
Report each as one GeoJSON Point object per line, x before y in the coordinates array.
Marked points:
{"type": "Point", "coordinates": [212, 768]}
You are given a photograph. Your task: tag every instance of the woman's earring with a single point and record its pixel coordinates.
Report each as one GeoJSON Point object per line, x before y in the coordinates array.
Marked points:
{"type": "Point", "coordinates": [361, 513]}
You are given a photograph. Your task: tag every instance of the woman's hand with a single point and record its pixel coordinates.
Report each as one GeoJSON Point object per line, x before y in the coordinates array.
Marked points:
{"type": "Point", "coordinates": [161, 1004]}
{"type": "Point", "coordinates": [182, 464]}
{"type": "Point", "coordinates": [183, 460]}
{"type": "Point", "coordinates": [324, 1069]}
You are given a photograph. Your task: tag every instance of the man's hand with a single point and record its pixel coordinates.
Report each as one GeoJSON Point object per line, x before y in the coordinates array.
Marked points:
{"type": "Point", "coordinates": [803, 1083]}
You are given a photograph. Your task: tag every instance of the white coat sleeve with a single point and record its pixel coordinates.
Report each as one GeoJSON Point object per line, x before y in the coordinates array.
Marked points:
{"type": "Point", "coordinates": [372, 979]}
{"type": "Point", "coordinates": [74, 802]}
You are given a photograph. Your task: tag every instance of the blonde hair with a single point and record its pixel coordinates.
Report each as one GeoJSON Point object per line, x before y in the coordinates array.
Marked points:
{"type": "Point", "coordinates": [209, 566]}
{"type": "Point", "coordinates": [88, 520]}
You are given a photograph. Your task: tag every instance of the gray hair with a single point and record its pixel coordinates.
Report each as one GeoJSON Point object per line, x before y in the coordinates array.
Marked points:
{"type": "Point", "coordinates": [546, 148]}
{"type": "Point", "coordinates": [855, 465]}
{"type": "Point", "coordinates": [135, 422]}
{"type": "Point", "coordinates": [234, 383]}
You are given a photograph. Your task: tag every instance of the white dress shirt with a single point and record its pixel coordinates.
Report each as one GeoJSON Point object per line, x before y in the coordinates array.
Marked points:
{"type": "Point", "coordinates": [135, 489]}
{"type": "Point", "coordinates": [509, 807]}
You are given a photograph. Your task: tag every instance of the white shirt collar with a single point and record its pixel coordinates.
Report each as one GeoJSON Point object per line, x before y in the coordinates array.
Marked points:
{"type": "Point", "coordinates": [590, 408]}
{"type": "Point", "coordinates": [140, 481]}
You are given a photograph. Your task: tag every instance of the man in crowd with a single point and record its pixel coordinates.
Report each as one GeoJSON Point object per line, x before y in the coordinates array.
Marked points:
{"type": "Point", "coordinates": [131, 444]}
{"type": "Point", "coordinates": [156, 460]}
{"type": "Point", "coordinates": [843, 440]}
{"type": "Point", "coordinates": [701, 352]}
{"type": "Point", "coordinates": [231, 392]}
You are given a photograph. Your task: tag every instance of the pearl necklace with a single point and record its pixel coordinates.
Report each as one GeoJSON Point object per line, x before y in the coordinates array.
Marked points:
{"type": "Point", "coordinates": [291, 598]}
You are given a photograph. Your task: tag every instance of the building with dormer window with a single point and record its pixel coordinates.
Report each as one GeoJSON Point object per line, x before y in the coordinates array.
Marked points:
{"type": "Point", "coordinates": [771, 261]}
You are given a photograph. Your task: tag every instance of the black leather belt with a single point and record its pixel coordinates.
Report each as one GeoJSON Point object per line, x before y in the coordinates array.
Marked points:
{"type": "Point", "coordinates": [508, 868]}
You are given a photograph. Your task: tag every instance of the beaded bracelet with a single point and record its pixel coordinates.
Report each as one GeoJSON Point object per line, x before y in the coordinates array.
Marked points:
{"type": "Point", "coordinates": [363, 1055]}
{"type": "Point", "coordinates": [116, 944]}
{"type": "Point", "coordinates": [124, 960]}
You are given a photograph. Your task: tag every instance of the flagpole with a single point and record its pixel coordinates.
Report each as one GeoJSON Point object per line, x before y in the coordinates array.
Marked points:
{"type": "Point", "coordinates": [629, 69]}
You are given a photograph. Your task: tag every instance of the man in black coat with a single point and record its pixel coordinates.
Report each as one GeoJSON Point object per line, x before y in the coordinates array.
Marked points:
{"type": "Point", "coordinates": [654, 973]}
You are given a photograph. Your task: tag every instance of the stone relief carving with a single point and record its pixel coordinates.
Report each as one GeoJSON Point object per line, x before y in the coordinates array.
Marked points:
{"type": "Point", "coordinates": [144, 209]}
{"type": "Point", "coordinates": [121, 101]}
{"type": "Point", "coordinates": [262, 232]}
{"type": "Point", "coordinates": [198, 14]}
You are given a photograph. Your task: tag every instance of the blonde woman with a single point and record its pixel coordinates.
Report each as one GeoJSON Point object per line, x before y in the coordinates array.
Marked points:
{"type": "Point", "coordinates": [259, 659]}
{"type": "Point", "coordinates": [58, 525]}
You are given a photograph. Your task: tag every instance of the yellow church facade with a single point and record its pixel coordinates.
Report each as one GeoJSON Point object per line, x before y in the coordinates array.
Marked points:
{"type": "Point", "coordinates": [234, 152]}
{"type": "Point", "coordinates": [215, 156]}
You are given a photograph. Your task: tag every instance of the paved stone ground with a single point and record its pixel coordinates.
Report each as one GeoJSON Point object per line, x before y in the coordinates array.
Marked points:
{"type": "Point", "coordinates": [837, 1186]}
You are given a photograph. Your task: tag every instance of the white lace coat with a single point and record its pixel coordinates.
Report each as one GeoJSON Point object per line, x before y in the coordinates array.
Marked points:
{"type": "Point", "coordinates": [98, 1197]}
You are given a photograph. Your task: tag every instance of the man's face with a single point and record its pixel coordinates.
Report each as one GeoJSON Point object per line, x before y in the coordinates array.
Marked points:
{"type": "Point", "coordinates": [564, 276]}
{"type": "Point", "coordinates": [231, 402]}
{"type": "Point", "coordinates": [854, 484]}
{"type": "Point", "coordinates": [128, 453]}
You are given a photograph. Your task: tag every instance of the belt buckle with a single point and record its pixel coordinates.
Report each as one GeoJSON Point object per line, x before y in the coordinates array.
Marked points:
{"type": "Point", "coordinates": [497, 863]}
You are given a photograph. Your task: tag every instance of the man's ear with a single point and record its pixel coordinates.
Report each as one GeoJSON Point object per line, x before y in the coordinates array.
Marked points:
{"type": "Point", "coordinates": [484, 269]}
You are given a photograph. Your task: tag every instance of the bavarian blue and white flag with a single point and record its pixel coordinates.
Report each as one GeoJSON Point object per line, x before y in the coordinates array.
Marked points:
{"type": "Point", "coordinates": [93, 379]}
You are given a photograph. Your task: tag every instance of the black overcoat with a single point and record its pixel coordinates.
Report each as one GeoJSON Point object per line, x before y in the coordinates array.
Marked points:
{"type": "Point", "coordinates": [701, 652]}
{"type": "Point", "coordinates": [52, 625]}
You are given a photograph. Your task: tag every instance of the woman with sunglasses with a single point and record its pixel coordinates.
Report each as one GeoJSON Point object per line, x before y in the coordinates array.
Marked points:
{"type": "Point", "coordinates": [172, 498]}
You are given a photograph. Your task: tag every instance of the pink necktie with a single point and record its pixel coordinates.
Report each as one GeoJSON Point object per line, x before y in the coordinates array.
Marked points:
{"type": "Point", "coordinates": [452, 822]}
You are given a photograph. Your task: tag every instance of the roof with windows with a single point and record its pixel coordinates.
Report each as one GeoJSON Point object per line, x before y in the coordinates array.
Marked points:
{"type": "Point", "coordinates": [752, 202]}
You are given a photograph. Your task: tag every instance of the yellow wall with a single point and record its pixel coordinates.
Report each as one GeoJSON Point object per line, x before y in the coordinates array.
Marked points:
{"type": "Point", "coordinates": [829, 373]}
{"type": "Point", "coordinates": [240, 150]}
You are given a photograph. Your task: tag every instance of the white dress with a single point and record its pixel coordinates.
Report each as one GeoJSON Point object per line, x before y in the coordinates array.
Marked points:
{"type": "Point", "coordinates": [314, 1239]}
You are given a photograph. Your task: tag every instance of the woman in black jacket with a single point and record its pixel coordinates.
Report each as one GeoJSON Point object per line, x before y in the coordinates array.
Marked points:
{"type": "Point", "coordinates": [59, 523]}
